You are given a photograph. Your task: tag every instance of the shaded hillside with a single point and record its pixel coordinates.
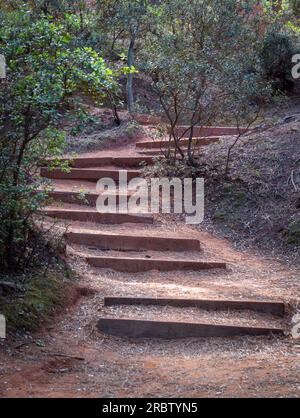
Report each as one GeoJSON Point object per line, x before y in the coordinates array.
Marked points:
{"type": "Point", "coordinates": [260, 203]}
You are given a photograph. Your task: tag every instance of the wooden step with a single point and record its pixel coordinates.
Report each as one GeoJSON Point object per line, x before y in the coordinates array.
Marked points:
{"type": "Point", "coordinates": [89, 199]}
{"type": "Point", "coordinates": [94, 216]}
{"type": "Point", "coordinates": [137, 265]}
{"type": "Point", "coordinates": [153, 121]}
{"type": "Point", "coordinates": [183, 142]}
{"type": "Point", "coordinates": [78, 198]}
{"type": "Point", "coordinates": [273, 308]}
{"type": "Point", "coordinates": [90, 174]}
{"type": "Point", "coordinates": [125, 242]}
{"type": "Point", "coordinates": [168, 330]}
{"type": "Point", "coordinates": [206, 131]}
{"type": "Point", "coordinates": [133, 161]}
{"type": "Point", "coordinates": [162, 152]}
{"type": "Point", "coordinates": [158, 152]}
{"type": "Point", "coordinates": [86, 162]}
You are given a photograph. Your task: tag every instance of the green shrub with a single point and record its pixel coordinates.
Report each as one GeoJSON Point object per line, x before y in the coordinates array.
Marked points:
{"type": "Point", "coordinates": [295, 6]}
{"type": "Point", "coordinates": [276, 57]}
{"type": "Point", "coordinates": [291, 233]}
{"type": "Point", "coordinates": [45, 68]}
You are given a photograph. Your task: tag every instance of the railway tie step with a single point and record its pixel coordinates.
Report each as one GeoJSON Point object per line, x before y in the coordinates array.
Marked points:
{"type": "Point", "coordinates": [96, 217]}
{"type": "Point", "coordinates": [87, 162]}
{"type": "Point", "coordinates": [126, 242]}
{"type": "Point", "coordinates": [267, 307]}
{"type": "Point", "coordinates": [90, 174]}
{"type": "Point", "coordinates": [136, 264]}
{"type": "Point", "coordinates": [132, 328]}
{"type": "Point", "coordinates": [183, 142]}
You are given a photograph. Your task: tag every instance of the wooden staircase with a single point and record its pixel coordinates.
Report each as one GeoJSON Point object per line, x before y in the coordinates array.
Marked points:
{"type": "Point", "coordinates": [142, 248]}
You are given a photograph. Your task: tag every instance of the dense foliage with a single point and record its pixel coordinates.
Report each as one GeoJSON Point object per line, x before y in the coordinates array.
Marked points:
{"type": "Point", "coordinates": [205, 60]}
{"type": "Point", "coordinates": [45, 68]}
{"type": "Point", "coordinates": [206, 66]}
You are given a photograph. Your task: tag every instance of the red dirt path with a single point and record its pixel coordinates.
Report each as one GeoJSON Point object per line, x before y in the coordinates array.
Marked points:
{"type": "Point", "coordinates": [69, 358]}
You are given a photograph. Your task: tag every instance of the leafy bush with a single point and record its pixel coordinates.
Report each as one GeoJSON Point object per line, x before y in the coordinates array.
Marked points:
{"type": "Point", "coordinates": [45, 67]}
{"type": "Point", "coordinates": [276, 56]}
{"type": "Point", "coordinates": [203, 60]}
{"type": "Point", "coordinates": [295, 6]}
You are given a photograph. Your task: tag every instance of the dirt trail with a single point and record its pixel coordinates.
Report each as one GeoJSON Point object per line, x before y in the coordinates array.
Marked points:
{"type": "Point", "coordinates": [70, 358]}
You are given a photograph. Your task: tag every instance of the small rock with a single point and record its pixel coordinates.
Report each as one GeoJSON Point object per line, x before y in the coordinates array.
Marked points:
{"type": "Point", "coordinates": [291, 118]}
{"type": "Point", "coordinates": [63, 370]}
{"type": "Point", "coordinates": [7, 287]}
{"type": "Point", "coordinates": [40, 343]}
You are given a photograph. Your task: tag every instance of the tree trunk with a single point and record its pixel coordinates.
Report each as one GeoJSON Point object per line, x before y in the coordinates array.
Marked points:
{"type": "Point", "coordinates": [190, 151]}
{"type": "Point", "coordinates": [116, 116]}
{"type": "Point", "coordinates": [130, 99]}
